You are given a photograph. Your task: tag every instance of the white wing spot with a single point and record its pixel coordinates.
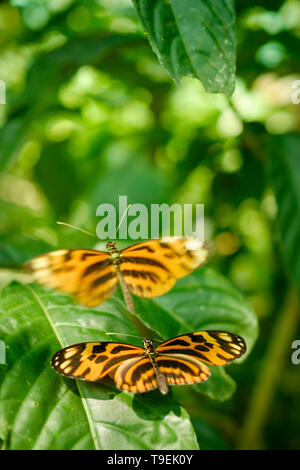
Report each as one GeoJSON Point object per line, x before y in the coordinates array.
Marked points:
{"type": "Point", "coordinates": [193, 244]}
{"type": "Point", "coordinates": [59, 252]}
{"type": "Point", "coordinates": [40, 263]}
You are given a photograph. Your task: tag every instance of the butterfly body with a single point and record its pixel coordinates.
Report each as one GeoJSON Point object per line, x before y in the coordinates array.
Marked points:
{"type": "Point", "coordinates": [114, 253]}
{"type": "Point", "coordinates": [151, 353]}
{"type": "Point", "coordinates": [177, 361]}
{"type": "Point", "coordinates": [149, 269]}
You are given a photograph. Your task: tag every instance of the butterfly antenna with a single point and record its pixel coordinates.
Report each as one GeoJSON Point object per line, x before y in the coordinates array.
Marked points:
{"type": "Point", "coordinates": [76, 228]}
{"type": "Point", "coordinates": [122, 334]}
{"type": "Point", "coordinates": [123, 216]}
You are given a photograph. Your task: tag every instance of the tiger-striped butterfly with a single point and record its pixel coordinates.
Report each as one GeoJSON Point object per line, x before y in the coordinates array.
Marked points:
{"type": "Point", "coordinates": [149, 269]}
{"type": "Point", "coordinates": [177, 361]}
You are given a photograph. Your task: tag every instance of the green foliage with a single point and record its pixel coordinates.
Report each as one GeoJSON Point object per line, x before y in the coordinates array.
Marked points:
{"type": "Point", "coordinates": [194, 38]}
{"type": "Point", "coordinates": [285, 177]}
{"type": "Point", "coordinates": [34, 323]}
{"type": "Point", "coordinates": [92, 113]}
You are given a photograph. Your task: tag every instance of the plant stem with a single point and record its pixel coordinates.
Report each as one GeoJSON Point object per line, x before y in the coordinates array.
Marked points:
{"type": "Point", "coordinates": [131, 315]}
{"type": "Point", "coordinates": [270, 372]}
{"type": "Point", "coordinates": [126, 293]}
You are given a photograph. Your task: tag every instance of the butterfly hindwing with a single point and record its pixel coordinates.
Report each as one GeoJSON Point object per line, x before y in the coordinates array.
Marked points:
{"type": "Point", "coordinates": [151, 268]}
{"type": "Point", "coordinates": [93, 361]}
{"type": "Point", "coordinates": [182, 370]}
{"type": "Point", "coordinates": [136, 375]}
{"type": "Point", "coordinates": [88, 274]}
{"type": "Point", "coordinates": [214, 347]}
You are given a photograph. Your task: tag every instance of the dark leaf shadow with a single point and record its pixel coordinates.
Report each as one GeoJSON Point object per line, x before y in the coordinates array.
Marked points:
{"type": "Point", "coordinates": [155, 406]}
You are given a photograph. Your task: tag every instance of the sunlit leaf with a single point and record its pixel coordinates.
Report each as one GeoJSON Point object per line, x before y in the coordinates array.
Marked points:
{"type": "Point", "coordinates": [194, 37]}
{"type": "Point", "coordinates": [41, 410]}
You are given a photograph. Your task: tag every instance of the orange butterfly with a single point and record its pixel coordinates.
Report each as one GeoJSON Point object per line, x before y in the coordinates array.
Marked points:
{"type": "Point", "coordinates": [149, 269]}
{"type": "Point", "coordinates": [177, 361]}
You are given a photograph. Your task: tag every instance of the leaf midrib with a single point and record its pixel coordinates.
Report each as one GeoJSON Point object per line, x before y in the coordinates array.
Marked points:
{"type": "Point", "coordinates": [83, 398]}
{"type": "Point", "coordinates": [190, 56]}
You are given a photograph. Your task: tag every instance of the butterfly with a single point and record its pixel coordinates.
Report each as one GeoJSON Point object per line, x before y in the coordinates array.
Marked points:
{"type": "Point", "coordinates": [177, 361]}
{"type": "Point", "coordinates": [149, 269]}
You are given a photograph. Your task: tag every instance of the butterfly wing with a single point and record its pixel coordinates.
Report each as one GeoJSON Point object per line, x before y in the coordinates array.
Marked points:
{"type": "Point", "coordinates": [93, 361]}
{"type": "Point", "coordinates": [88, 274]}
{"type": "Point", "coordinates": [136, 375]}
{"type": "Point", "coordinates": [182, 370]}
{"type": "Point", "coordinates": [151, 268]}
{"type": "Point", "coordinates": [214, 347]}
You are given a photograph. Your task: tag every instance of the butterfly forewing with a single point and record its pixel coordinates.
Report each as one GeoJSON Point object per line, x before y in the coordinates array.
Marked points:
{"type": "Point", "coordinates": [151, 268]}
{"type": "Point", "coordinates": [144, 270]}
{"type": "Point", "coordinates": [93, 361]}
{"type": "Point", "coordinates": [88, 274]}
{"type": "Point", "coordinates": [214, 347]}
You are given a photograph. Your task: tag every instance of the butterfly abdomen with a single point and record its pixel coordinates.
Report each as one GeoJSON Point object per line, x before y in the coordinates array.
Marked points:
{"type": "Point", "coordinates": [160, 378]}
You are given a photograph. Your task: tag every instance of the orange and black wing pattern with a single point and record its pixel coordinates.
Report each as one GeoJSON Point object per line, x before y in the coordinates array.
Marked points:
{"type": "Point", "coordinates": [151, 268]}
{"type": "Point", "coordinates": [179, 360]}
{"type": "Point", "coordinates": [93, 361]}
{"type": "Point", "coordinates": [88, 274]}
{"type": "Point", "coordinates": [131, 370]}
{"type": "Point", "coordinates": [214, 347]}
{"type": "Point", "coordinates": [182, 370]}
{"type": "Point", "coordinates": [136, 375]}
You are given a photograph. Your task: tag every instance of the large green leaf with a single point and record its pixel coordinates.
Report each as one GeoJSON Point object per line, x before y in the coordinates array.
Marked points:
{"type": "Point", "coordinates": [41, 410]}
{"type": "Point", "coordinates": [35, 322]}
{"type": "Point", "coordinates": [193, 37]}
{"type": "Point", "coordinates": [204, 300]}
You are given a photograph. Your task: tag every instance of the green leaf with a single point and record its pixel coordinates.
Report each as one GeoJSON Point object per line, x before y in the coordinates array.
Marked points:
{"type": "Point", "coordinates": [208, 438]}
{"type": "Point", "coordinates": [285, 177]}
{"type": "Point", "coordinates": [49, 70]}
{"type": "Point", "coordinates": [41, 410]}
{"type": "Point", "coordinates": [44, 78]}
{"type": "Point", "coordinates": [12, 136]}
{"type": "Point", "coordinates": [56, 175]}
{"type": "Point", "coordinates": [193, 37]}
{"type": "Point", "coordinates": [17, 249]}
{"type": "Point", "coordinates": [201, 301]}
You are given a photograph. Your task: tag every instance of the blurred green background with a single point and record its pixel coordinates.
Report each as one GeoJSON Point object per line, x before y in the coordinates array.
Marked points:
{"type": "Point", "coordinates": [90, 114]}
